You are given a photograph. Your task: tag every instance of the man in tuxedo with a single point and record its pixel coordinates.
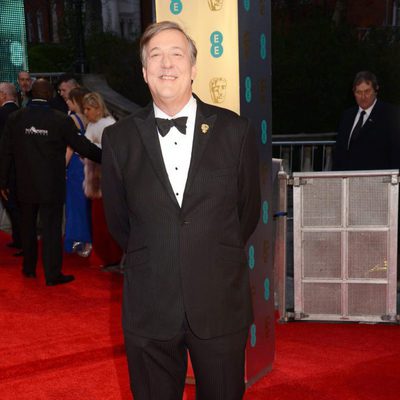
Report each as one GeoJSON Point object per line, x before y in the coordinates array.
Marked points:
{"type": "Point", "coordinates": [369, 133]}
{"type": "Point", "coordinates": [8, 105]}
{"type": "Point", "coordinates": [180, 182]}
{"type": "Point", "coordinates": [36, 137]}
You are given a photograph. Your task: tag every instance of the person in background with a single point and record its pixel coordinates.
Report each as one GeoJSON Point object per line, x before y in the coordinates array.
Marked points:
{"type": "Point", "coordinates": [65, 84]}
{"type": "Point", "coordinates": [182, 196]}
{"type": "Point", "coordinates": [78, 235]}
{"type": "Point", "coordinates": [8, 105]}
{"type": "Point", "coordinates": [25, 85]}
{"type": "Point", "coordinates": [36, 137]}
{"type": "Point", "coordinates": [369, 133]}
{"type": "Point", "coordinates": [98, 118]}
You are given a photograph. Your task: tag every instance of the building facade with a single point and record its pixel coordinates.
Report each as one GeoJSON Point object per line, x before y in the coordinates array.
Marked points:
{"type": "Point", "coordinates": [46, 20]}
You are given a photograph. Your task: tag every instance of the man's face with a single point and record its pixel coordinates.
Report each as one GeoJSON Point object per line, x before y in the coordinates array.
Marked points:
{"type": "Point", "coordinates": [24, 81]}
{"type": "Point", "coordinates": [365, 95]}
{"type": "Point", "coordinates": [65, 88]}
{"type": "Point", "coordinates": [168, 70]}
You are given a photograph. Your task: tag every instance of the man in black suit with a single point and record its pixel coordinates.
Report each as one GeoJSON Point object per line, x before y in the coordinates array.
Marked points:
{"type": "Point", "coordinates": [182, 206]}
{"type": "Point", "coordinates": [8, 105]}
{"type": "Point", "coordinates": [37, 137]}
{"type": "Point", "coordinates": [368, 134]}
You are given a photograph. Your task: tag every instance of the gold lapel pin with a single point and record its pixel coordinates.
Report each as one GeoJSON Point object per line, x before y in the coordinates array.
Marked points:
{"type": "Point", "coordinates": [204, 128]}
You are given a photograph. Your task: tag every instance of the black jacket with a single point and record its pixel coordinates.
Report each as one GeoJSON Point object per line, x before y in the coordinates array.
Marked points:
{"type": "Point", "coordinates": [377, 145]}
{"type": "Point", "coordinates": [187, 260]}
{"type": "Point", "coordinates": [36, 137]}
{"type": "Point", "coordinates": [5, 111]}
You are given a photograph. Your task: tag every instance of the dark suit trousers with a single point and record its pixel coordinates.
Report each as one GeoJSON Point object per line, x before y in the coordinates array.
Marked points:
{"type": "Point", "coordinates": [157, 368]}
{"type": "Point", "coordinates": [51, 219]}
{"type": "Point", "coordinates": [12, 208]}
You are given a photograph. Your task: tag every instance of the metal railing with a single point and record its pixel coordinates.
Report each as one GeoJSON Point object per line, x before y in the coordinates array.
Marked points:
{"type": "Point", "coordinates": [304, 152]}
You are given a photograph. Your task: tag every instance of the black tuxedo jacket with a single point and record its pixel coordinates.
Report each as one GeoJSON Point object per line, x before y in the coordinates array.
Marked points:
{"type": "Point", "coordinates": [187, 260]}
{"type": "Point", "coordinates": [36, 137]}
{"type": "Point", "coordinates": [377, 145]}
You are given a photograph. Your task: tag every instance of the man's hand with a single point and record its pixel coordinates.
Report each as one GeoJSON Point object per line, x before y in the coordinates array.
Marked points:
{"type": "Point", "coordinates": [4, 193]}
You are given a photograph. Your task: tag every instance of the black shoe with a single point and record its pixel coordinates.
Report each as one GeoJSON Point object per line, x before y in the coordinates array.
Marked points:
{"type": "Point", "coordinates": [18, 254]}
{"type": "Point", "coordinates": [60, 280]}
{"type": "Point", "coordinates": [29, 274]}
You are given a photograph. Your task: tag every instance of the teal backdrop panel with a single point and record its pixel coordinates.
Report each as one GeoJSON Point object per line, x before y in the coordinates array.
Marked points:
{"type": "Point", "coordinates": [256, 103]}
{"type": "Point", "coordinates": [13, 51]}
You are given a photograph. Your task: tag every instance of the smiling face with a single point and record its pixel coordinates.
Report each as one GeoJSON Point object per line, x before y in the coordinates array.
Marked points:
{"type": "Point", "coordinates": [168, 70]}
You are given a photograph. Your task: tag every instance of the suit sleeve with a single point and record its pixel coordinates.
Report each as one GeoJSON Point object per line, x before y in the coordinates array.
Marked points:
{"type": "Point", "coordinates": [249, 184]}
{"type": "Point", "coordinates": [80, 143]}
{"type": "Point", "coordinates": [5, 155]}
{"type": "Point", "coordinates": [114, 197]}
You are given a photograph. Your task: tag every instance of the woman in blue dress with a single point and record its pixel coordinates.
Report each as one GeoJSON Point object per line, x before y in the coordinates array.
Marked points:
{"type": "Point", "coordinates": [78, 231]}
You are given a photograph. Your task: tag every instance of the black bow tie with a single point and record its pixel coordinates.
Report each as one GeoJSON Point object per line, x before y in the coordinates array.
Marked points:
{"type": "Point", "coordinates": [164, 125]}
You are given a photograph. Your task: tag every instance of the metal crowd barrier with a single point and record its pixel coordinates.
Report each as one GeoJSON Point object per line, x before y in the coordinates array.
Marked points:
{"type": "Point", "coordinates": [304, 152]}
{"type": "Point", "coordinates": [336, 246]}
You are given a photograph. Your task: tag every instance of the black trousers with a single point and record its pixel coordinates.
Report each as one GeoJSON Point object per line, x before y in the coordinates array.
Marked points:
{"type": "Point", "coordinates": [12, 208]}
{"type": "Point", "coordinates": [51, 219]}
{"type": "Point", "coordinates": [157, 368]}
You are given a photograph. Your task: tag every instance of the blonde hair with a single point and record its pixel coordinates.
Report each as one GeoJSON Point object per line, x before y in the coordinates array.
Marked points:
{"type": "Point", "coordinates": [95, 100]}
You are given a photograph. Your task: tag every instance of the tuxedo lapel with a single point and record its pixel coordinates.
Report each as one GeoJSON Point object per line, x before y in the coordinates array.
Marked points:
{"type": "Point", "coordinates": [203, 130]}
{"type": "Point", "coordinates": [148, 132]}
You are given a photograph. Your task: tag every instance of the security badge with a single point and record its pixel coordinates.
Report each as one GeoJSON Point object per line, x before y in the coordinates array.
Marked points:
{"type": "Point", "coordinates": [204, 128]}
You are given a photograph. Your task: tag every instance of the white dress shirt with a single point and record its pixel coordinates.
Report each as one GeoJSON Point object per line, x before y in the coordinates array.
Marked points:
{"type": "Point", "coordinates": [176, 148]}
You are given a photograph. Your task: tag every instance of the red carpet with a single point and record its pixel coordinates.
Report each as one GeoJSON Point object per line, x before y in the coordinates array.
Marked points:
{"type": "Point", "coordinates": [65, 343]}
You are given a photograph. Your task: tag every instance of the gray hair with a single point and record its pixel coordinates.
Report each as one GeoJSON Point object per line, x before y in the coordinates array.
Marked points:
{"type": "Point", "coordinates": [157, 27]}
{"type": "Point", "coordinates": [9, 90]}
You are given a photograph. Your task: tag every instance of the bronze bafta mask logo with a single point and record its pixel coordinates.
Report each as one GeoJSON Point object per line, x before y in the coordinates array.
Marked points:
{"type": "Point", "coordinates": [215, 5]}
{"type": "Point", "coordinates": [218, 90]}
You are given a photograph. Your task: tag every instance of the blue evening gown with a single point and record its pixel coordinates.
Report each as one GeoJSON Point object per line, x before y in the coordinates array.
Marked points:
{"type": "Point", "coordinates": [77, 205]}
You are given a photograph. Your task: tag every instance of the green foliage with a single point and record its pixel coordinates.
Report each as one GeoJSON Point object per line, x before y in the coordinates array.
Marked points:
{"type": "Point", "coordinates": [50, 58]}
{"type": "Point", "coordinates": [118, 59]}
{"type": "Point", "coordinates": [314, 63]}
